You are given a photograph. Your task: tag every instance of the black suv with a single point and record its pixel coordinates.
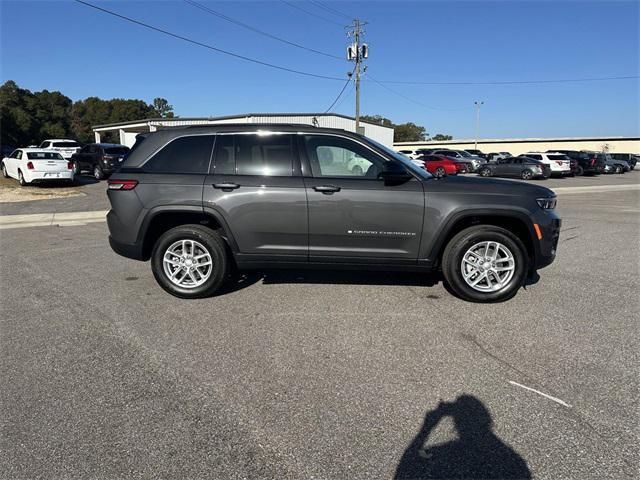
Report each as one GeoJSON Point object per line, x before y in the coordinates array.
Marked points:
{"type": "Point", "coordinates": [584, 162]}
{"type": "Point", "coordinates": [101, 159]}
{"type": "Point", "coordinates": [199, 200]}
{"type": "Point", "coordinates": [630, 158]}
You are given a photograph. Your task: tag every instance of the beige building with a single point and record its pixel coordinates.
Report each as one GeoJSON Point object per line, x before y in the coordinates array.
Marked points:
{"type": "Point", "coordinates": [517, 146]}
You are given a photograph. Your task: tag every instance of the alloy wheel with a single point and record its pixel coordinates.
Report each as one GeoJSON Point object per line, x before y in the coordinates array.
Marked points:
{"type": "Point", "coordinates": [187, 263]}
{"type": "Point", "coordinates": [488, 266]}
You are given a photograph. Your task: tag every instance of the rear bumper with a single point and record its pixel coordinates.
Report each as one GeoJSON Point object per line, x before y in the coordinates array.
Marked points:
{"type": "Point", "coordinates": [32, 176]}
{"type": "Point", "coordinates": [129, 250]}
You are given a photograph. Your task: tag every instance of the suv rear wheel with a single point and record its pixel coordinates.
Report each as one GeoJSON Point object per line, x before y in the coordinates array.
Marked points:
{"type": "Point", "coordinates": [485, 263]}
{"type": "Point", "coordinates": [190, 261]}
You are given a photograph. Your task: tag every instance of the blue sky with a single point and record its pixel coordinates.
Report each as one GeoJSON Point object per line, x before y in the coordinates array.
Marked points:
{"type": "Point", "coordinates": [66, 46]}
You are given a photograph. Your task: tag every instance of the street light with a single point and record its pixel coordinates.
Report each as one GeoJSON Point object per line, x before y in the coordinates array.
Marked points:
{"type": "Point", "coordinates": [478, 105]}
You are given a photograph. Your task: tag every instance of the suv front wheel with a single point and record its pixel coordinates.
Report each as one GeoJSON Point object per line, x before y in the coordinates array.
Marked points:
{"type": "Point", "coordinates": [485, 263]}
{"type": "Point", "coordinates": [190, 261]}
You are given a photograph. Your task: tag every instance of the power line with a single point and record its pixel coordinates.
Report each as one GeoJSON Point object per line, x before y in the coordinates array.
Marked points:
{"type": "Point", "coordinates": [345, 97]}
{"type": "Point", "coordinates": [253, 29]}
{"type": "Point", "coordinates": [293, 5]}
{"type": "Point", "coordinates": [341, 91]}
{"type": "Point", "coordinates": [412, 100]}
{"type": "Point", "coordinates": [210, 47]}
{"type": "Point", "coordinates": [514, 82]}
{"type": "Point", "coordinates": [329, 9]}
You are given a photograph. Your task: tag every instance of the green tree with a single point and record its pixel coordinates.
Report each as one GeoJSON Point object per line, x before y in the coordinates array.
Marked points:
{"type": "Point", "coordinates": [409, 132]}
{"type": "Point", "coordinates": [162, 108]}
{"type": "Point", "coordinates": [377, 119]}
{"type": "Point", "coordinates": [440, 136]}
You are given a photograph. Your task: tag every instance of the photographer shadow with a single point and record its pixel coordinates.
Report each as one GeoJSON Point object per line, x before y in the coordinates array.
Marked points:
{"type": "Point", "coordinates": [477, 453]}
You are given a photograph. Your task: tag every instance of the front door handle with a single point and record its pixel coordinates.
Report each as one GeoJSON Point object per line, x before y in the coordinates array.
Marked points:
{"type": "Point", "coordinates": [226, 186]}
{"type": "Point", "coordinates": [327, 188]}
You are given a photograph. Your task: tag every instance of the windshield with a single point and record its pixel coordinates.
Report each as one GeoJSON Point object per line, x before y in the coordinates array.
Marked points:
{"type": "Point", "coordinates": [406, 161]}
{"type": "Point", "coordinates": [44, 156]}
{"type": "Point", "coordinates": [116, 150]}
{"type": "Point", "coordinates": [65, 144]}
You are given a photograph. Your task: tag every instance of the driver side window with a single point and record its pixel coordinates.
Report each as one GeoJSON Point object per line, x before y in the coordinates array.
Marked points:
{"type": "Point", "coordinates": [332, 156]}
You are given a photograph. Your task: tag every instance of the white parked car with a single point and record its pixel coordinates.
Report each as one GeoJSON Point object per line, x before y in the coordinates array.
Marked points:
{"type": "Point", "coordinates": [29, 165]}
{"type": "Point", "coordinates": [412, 154]}
{"type": "Point", "coordinates": [559, 163]}
{"type": "Point", "coordinates": [64, 147]}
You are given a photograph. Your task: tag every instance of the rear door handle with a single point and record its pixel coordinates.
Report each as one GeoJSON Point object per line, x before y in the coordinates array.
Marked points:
{"type": "Point", "coordinates": [226, 186]}
{"type": "Point", "coordinates": [327, 188]}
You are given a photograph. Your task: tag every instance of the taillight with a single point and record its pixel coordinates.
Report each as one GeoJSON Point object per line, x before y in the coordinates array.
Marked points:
{"type": "Point", "coordinates": [69, 165]}
{"type": "Point", "coordinates": [559, 162]}
{"type": "Point", "coordinates": [30, 165]}
{"type": "Point", "coordinates": [593, 162]}
{"type": "Point", "coordinates": [121, 184]}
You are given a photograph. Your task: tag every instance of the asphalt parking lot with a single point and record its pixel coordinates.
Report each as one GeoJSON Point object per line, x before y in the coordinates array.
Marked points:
{"type": "Point", "coordinates": [320, 374]}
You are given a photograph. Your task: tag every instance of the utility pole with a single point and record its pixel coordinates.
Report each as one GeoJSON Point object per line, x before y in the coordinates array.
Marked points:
{"type": "Point", "coordinates": [478, 105]}
{"type": "Point", "coordinates": [357, 52]}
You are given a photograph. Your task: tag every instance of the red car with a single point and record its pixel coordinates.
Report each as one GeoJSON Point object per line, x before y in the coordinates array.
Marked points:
{"type": "Point", "coordinates": [439, 165]}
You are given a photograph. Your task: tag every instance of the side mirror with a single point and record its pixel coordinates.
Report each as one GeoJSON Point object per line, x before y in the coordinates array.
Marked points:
{"type": "Point", "coordinates": [394, 174]}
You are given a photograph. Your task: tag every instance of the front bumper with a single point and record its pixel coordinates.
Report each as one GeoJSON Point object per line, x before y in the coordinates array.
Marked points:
{"type": "Point", "coordinates": [549, 224]}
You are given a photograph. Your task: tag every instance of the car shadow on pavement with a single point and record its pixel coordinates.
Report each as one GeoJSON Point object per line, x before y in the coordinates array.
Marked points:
{"type": "Point", "coordinates": [240, 280]}
{"type": "Point", "coordinates": [477, 453]}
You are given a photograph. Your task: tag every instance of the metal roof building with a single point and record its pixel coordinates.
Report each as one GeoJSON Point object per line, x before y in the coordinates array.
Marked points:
{"type": "Point", "coordinates": [127, 131]}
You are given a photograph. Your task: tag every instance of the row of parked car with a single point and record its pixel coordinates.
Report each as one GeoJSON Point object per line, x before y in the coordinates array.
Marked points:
{"type": "Point", "coordinates": [530, 165]}
{"type": "Point", "coordinates": [61, 160]}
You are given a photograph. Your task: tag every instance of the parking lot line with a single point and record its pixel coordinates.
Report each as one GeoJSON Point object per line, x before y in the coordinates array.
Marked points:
{"type": "Point", "coordinates": [596, 188]}
{"type": "Point", "coordinates": [554, 399]}
{"type": "Point", "coordinates": [51, 219]}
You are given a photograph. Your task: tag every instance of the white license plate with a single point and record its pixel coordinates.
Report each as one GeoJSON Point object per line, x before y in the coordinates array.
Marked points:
{"type": "Point", "coordinates": [53, 175]}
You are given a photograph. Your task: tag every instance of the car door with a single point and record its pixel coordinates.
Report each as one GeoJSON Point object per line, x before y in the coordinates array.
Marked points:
{"type": "Point", "coordinates": [353, 214]}
{"type": "Point", "coordinates": [81, 157]}
{"type": "Point", "coordinates": [12, 163]}
{"type": "Point", "coordinates": [512, 166]}
{"type": "Point", "coordinates": [255, 184]}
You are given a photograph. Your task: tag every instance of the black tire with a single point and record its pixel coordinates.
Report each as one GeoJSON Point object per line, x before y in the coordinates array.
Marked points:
{"type": "Point", "coordinates": [216, 247]}
{"type": "Point", "coordinates": [485, 172]}
{"type": "Point", "coordinates": [619, 169]}
{"type": "Point", "coordinates": [76, 168]}
{"type": "Point", "coordinates": [21, 180]}
{"type": "Point", "coordinates": [526, 175]}
{"type": "Point", "coordinates": [4, 171]}
{"type": "Point", "coordinates": [98, 174]}
{"type": "Point", "coordinates": [440, 172]}
{"type": "Point", "coordinates": [467, 238]}
{"type": "Point", "coordinates": [579, 171]}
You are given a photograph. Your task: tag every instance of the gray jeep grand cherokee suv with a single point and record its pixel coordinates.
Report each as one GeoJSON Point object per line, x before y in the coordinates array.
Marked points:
{"type": "Point", "coordinates": [198, 200]}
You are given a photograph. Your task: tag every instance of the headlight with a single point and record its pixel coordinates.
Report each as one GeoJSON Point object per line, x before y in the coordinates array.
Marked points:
{"type": "Point", "coordinates": [548, 203]}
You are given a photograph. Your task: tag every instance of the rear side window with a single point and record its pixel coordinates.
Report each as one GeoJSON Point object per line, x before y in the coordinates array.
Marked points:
{"type": "Point", "coordinates": [183, 155]}
{"type": "Point", "coordinates": [535, 157]}
{"type": "Point", "coordinates": [265, 155]}
{"type": "Point", "coordinates": [116, 150]}
{"type": "Point", "coordinates": [558, 157]}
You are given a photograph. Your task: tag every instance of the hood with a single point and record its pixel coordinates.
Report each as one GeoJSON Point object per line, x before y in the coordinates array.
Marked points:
{"type": "Point", "coordinates": [488, 186]}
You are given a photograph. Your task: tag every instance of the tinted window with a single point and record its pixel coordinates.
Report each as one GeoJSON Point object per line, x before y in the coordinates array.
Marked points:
{"type": "Point", "coordinates": [264, 155]}
{"type": "Point", "coordinates": [116, 150]}
{"type": "Point", "coordinates": [225, 162]}
{"type": "Point", "coordinates": [183, 155]}
{"type": "Point", "coordinates": [558, 157]}
{"type": "Point", "coordinates": [44, 156]}
{"type": "Point", "coordinates": [65, 144]}
{"type": "Point", "coordinates": [536, 157]}
{"type": "Point", "coordinates": [339, 157]}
